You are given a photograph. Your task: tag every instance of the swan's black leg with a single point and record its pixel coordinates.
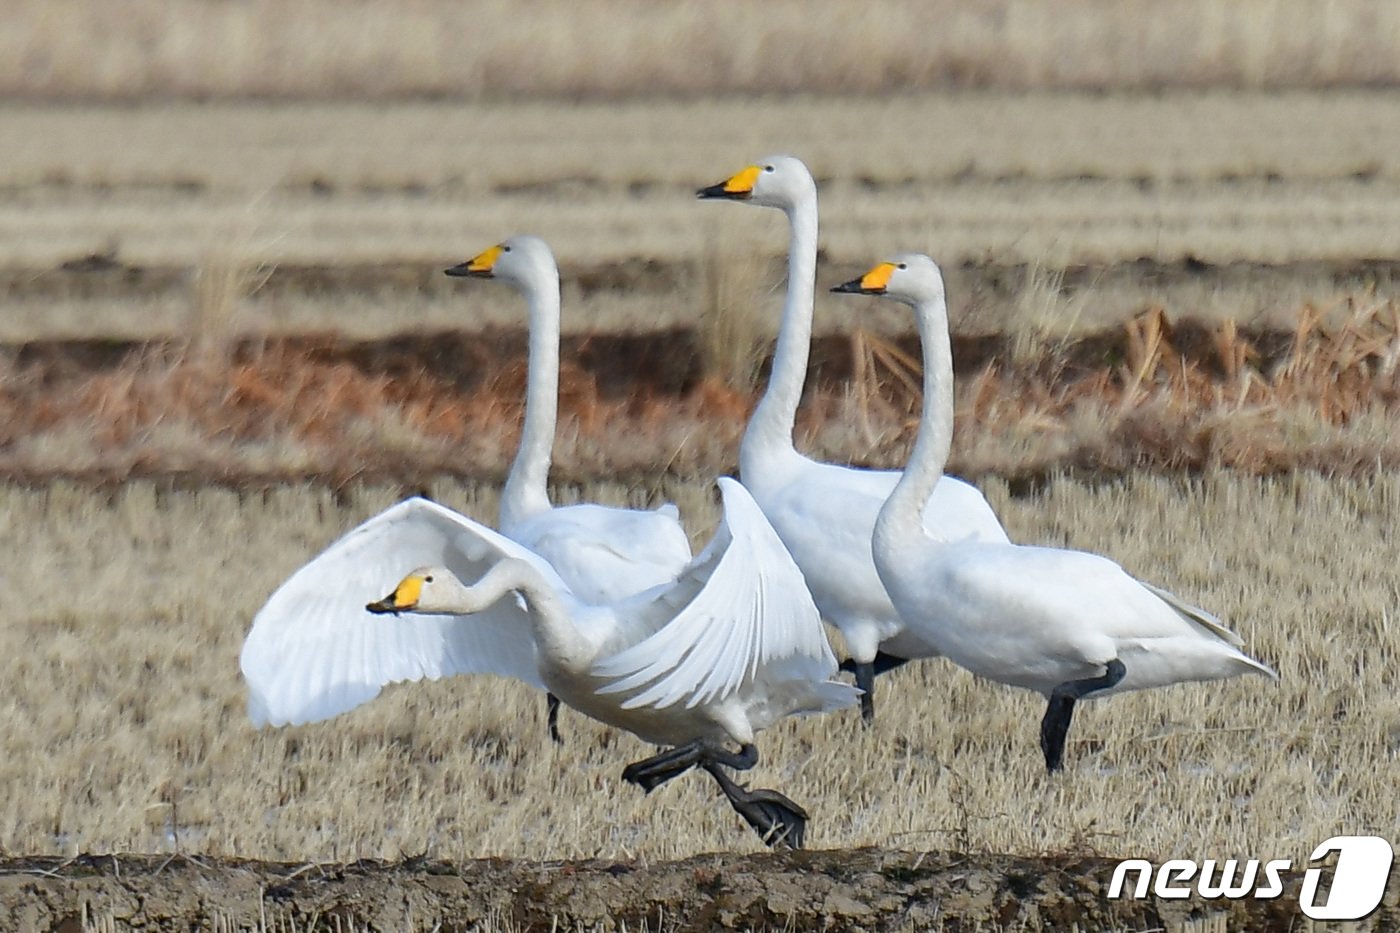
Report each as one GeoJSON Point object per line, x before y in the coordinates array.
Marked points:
{"type": "Point", "coordinates": [651, 773]}
{"type": "Point", "coordinates": [865, 680]}
{"type": "Point", "coordinates": [1054, 728]}
{"type": "Point", "coordinates": [777, 819]}
{"type": "Point", "coordinates": [551, 703]}
{"type": "Point", "coordinates": [883, 663]}
{"type": "Point", "coordinates": [866, 672]}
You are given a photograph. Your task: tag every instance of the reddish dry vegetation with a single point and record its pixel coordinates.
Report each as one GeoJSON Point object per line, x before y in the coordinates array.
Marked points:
{"type": "Point", "coordinates": [1151, 394]}
{"type": "Point", "coordinates": [1193, 396]}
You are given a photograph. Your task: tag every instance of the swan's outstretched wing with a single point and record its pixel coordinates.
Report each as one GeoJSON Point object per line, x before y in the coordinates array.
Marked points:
{"type": "Point", "coordinates": [605, 554]}
{"type": "Point", "coordinates": [740, 615]}
{"type": "Point", "coordinates": [315, 652]}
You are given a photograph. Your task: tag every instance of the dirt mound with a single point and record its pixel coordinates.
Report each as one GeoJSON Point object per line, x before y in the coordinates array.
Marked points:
{"type": "Point", "coordinates": [864, 889]}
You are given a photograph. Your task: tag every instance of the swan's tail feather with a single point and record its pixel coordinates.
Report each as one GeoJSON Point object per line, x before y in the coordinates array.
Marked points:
{"type": "Point", "coordinates": [1216, 627]}
{"type": "Point", "coordinates": [1252, 666]}
{"type": "Point", "coordinates": [1198, 615]}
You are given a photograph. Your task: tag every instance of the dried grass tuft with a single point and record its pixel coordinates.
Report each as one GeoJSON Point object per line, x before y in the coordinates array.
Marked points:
{"type": "Point", "coordinates": [734, 329]}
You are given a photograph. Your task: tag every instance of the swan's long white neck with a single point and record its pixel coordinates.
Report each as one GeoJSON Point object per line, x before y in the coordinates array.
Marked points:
{"type": "Point", "coordinates": [769, 433]}
{"type": "Point", "coordinates": [555, 634]}
{"type": "Point", "coordinates": [901, 519]}
{"type": "Point", "coordinates": [526, 491]}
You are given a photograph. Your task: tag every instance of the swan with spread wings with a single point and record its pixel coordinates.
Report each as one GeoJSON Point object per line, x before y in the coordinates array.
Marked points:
{"type": "Point", "coordinates": [729, 648]}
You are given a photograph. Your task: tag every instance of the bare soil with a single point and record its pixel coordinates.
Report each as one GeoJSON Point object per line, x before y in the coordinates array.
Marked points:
{"type": "Point", "coordinates": [862, 889]}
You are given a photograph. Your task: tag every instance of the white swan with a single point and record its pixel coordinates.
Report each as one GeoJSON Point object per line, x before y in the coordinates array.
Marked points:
{"type": "Point", "coordinates": [730, 647]}
{"type": "Point", "coordinates": [604, 554]}
{"type": "Point", "coordinates": [826, 513]}
{"type": "Point", "coordinates": [1067, 624]}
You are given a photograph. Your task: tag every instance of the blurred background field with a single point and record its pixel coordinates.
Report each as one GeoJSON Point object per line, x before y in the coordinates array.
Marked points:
{"type": "Point", "coordinates": [62, 49]}
{"type": "Point", "coordinates": [1172, 239]}
{"type": "Point", "coordinates": [1214, 205]}
{"type": "Point", "coordinates": [255, 288]}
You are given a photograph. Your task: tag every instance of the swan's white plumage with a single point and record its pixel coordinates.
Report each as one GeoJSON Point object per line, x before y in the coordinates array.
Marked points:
{"type": "Point", "coordinates": [823, 512]}
{"type": "Point", "coordinates": [1032, 617]}
{"type": "Point", "coordinates": [726, 650]}
{"type": "Point", "coordinates": [315, 652]}
{"type": "Point", "coordinates": [739, 618]}
{"type": "Point", "coordinates": [1037, 617]}
{"type": "Point", "coordinates": [604, 554]}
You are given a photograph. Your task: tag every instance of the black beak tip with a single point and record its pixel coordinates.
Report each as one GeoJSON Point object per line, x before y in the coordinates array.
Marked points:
{"type": "Point", "coordinates": [720, 192]}
{"type": "Point", "coordinates": [458, 270]}
{"type": "Point", "coordinates": [849, 288]}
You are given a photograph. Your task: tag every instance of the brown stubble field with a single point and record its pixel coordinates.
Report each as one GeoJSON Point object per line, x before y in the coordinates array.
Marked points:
{"type": "Point", "coordinates": [126, 608]}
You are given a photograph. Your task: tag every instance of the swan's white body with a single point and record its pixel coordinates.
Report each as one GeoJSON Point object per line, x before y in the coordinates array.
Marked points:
{"type": "Point", "coordinates": [1039, 617]}
{"type": "Point", "coordinates": [826, 513]}
{"type": "Point", "coordinates": [1032, 617]}
{"type": "Point", "coordinates": [603, 554]}
{"type": "Point", "coordinates": [726, 650]}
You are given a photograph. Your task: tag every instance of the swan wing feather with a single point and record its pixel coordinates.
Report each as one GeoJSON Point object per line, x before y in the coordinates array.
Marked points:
{"type": "Point", "coordinates": [314, 651]}
{"type": "Point", "coordinates": [741, 613]}
{"type": "Point", "coordinates": [605, 554]}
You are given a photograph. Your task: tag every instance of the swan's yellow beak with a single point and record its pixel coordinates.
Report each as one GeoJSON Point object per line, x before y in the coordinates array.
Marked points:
{"type": "Point", "coordinates": [738, 187]}
{"type": "Point", "coordinates": [404, 598]}
{"type": "Point", "coordinates": [873, 282]}
{"type": "Point", "coordinates": [481, 265]}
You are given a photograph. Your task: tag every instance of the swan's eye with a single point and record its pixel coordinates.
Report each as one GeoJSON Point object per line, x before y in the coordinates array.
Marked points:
{"type": "Point", "coordinates": [428, 579]}
{"type": "Point", "coordinates": [505, 249]}
{"type": "Point", "coordinates": [902, 265]}
{"type": "Point", "coordinates": [769, 168]}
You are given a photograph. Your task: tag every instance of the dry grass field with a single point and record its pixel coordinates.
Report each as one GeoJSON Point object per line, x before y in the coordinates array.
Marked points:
{"type": "Point", "coordinates": [1172, 242]}
{"type": "Point", "coordinates": [125, 610]}
{"type": "Point", "coordinates": [65, 49]}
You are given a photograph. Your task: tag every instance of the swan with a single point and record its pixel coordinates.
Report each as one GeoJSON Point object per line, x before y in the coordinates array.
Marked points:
{"type": "Point", "coordinates": [1066, 624]}
{"type": "Point", "coordinates": [826, 513]}
{"type": "Point", "coordinates": [730, 647]}
{"type": "Point", "coordinates": [604, 554]}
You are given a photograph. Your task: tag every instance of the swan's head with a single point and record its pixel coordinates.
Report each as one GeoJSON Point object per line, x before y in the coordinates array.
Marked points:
{"type": "Point", "coordinates": [911, 278]}
{"type": "Point", "coordinates": [519, 260]}
{"type": "Point", "coordinates": [776, 181]}
{"type": "Point", "coordinates": [426, 590]}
